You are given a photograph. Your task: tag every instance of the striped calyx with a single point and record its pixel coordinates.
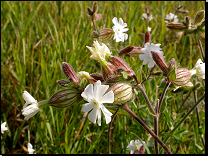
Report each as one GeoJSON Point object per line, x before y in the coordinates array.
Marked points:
{"type": "Point", "coordinates": [183, 76]}
{"type": "Point", "coordinates": [122, 92]}
{"type": "Point", "coordinates": [64, 98]}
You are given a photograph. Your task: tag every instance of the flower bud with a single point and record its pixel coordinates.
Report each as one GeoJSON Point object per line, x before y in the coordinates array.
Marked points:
{"type": "Point", "coordinates": [97, 76]}
{"type": "Point", "coordinates": [122, 92]}
{"type": "Point", "coordinates": [89, 11]}
{"type": "Point", "coordinates": [63, 83]}
{"type": "Point", "coordinates": [187, 21]}
{"type": "Point", "coordinates": [199, 17]}
{"type": "Point", "coordinates": [106, 34]}
{"type": "Point", "coordinates": [177, 26]}
{"type": "Point", "coordinates": [109, 70]}
{"type": "Point", "coordinates": [95, 6]}
{"type": "Point", "coordinates": [172, 65]}
{"type": "Point", "coordinates": [147, 37]}
{"type": "Point", "coordinates": [69, 73]}
{"type": "Point", "coordinates": [130, 51]}
{"type": "Point", "coordinates": [183, 76]}
{"type": "Point", "coordinates": [65, 98]}
{"type": "Point", "coordinates": [159, 61]}
{"type": "Point", "coordinates": [120, 64]}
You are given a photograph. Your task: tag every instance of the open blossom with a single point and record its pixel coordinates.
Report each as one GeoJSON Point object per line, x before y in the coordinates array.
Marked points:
{"type": "Point", "coordinates": [83, 75]}
{"type": "Point", "coordinates": [30, 148]}
{"type": "Point", "coordinates": [32, 109]}
{"type": "Point", "coordinates": [171, 17]}
{"type": "Point", "coordinates": [147, 56]}
{"type": "Point", "coordinates": [98, 51]}
{"type": "Point", "coordinates": [3, 128]}
{"type": "Point", "coordinates": [95, 98]}
{"type": "Point", "coordinates": [134, 145]}
{"type": "Point", "coordinates": [145, 16]}
{"type": "Point", "coordinates": [199, 69]}
{"type": "Point", "coordinates": [119, 29]}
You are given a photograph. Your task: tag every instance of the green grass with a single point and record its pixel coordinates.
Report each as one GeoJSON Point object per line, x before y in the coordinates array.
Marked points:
{"type": "Point", "coordinates": [36, 37]}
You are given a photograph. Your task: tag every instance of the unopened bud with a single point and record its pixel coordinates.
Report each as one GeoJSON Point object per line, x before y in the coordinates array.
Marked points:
{"type": "Point", "coordinates": [199, 17]}
{"type": "Point", "coordinates": [89, 11]}
{"type": "Point", "coordinates": [159, 61]}
{"type": "Point", "coordinates": [122, 92]}
{"type": "Point", "coordinates": [120, 64]}
{"type": "Point", "coordinates": [65, 98]}
{"type": "Point", "coordinates": [147, 37]}
{"type": "Point", "coordinates": [95, 6]}
{"type": "Point", "coordinates": [183, 76]}
{"type": "Point", "coordinates": [157, 73]}
{"type": "Point", "coordinates": [177, 26]}
{"type": "Point", "coordinates": [63, 83]}
{"type": "Point", "coordinates": [130, 51]}
{"type": "Point", "coordinates": [69, 73]}
{"type": "Point", "coordinates": [97, 76]}
{"type": "Point", "coordinates": [109, 70]}
{"type": "Point", "coordinates": [106, 34]}
{"type": "Point", "coordinates": [183, 11]}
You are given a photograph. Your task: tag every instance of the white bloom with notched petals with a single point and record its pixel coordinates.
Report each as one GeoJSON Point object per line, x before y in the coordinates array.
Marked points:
{"type": "Point", "coordinates": [98, 51]}
{"type": "Point", "coordinates": [32, 109]}
{"type": "Point", "coordinates": [199, 69]}
{"type": "Point", "coordinates": [119, 29]}
{"type": "Point", "coordinates": [95, 98]}
{"type": "Point", "coordinates": [30, 148]}
{"type": "Point", "coordinates": [83, 75]}
{"type": "Point", "coordinates": [147, 55]}
{"type": "Point", "coordinates": [145, 16]}
{"type": "Point", "coordinates": [134, 145]}
{"type": "Point", "coordinates": [171, 17]}
{"type": "Point", "coordinates": [3, 128]}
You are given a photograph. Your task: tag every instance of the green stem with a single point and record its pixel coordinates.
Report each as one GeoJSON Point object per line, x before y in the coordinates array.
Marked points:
{"type": "Point", "coordinates": [109, 129]}
{"type": "Point", "coordinates": [198, 118]}
{"type": "Point", "coordinates": [43, 103]}
{"type": "Point", "coordinates": [201, 49]}
{"type": "Point", "coordinates": [125, 107]}
{"type": "Point", "coordinates": [184, 118]}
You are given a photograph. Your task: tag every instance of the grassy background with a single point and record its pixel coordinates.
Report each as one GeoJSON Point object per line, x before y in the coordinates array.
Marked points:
{"type": "Point", "coordinates": [36, 37]}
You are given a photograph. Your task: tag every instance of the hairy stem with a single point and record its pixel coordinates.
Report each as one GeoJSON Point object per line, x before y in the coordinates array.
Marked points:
{"type": "Point", "coordinates": [125, 107]}
{"type": "Point", "coordinates": [201, 49]}
{"type": "Point", "coordinates": [146, 98]}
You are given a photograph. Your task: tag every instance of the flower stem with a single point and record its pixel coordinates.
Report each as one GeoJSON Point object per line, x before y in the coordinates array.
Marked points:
{"type": "Point", "coordinates": [201, 49]}
{"type": "Point", "coordinates": [146, 98]}
{"type": "Point", "coordinates": [198, 119]}
{"type": "Point", "coordinates": [109, 129]}
{"type": "Point", "coordinates": [125, 107]}
{"type": "Point", "coordinates": [156, 133]}
{"type": "Point", "coordinates": [94, 25]}
{"type": "Point", "coordinates": [43, 103]}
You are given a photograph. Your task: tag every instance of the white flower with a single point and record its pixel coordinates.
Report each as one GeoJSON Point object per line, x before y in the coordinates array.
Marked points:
{"type": "Point", "coordinates": [199, 69]}
{"type": "Point", "coordinates": [3, 128]}
{"type": "Point", "coordinates": [144, 16]}
{"type": "Point", "coordinates": [119, 30]}
{"type": "Point", "coordinates": [171, 17]}
{"type": "Point", "coordinates": [83, 75]}
{"type": "Point", "coordinates": [98, 52]}
{"type": "Point", "coordinates": [149, 29]}
{"type": "Point", "coordinates": [147, 56]}
{"type": "Point", "coordinates": [96, 98]}
{"type": "Point", "coordinates": [134, 145]}
{"type": "Point", "coordinates": [30, 148]}
{"type": "Point", "coordinates": [32, 109]}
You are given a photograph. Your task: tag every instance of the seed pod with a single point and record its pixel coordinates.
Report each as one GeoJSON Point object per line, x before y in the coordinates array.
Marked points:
{"type": "Point", "coordinates": [95, 6]}
{"type": "Point", "coordinates": [160, 61]}
{"type": "Point", "coordinates": [183, 76]}
{"type": "Point", "coordinates": [177, 26]}
{"type": "Point", "coordinates": [109, 70]}
{"type": "Point", "coordinates": [147, 37]}
{"type": "Point", "coordinates": [122, 92]}
{"type": "Point", "coordinates": [199, 17]}
{"type": "Point", "coordinates": [65, 98]}
{"type": "Point", "coordinates": [69, 73]}
{"type": "Point", "coordinates": [106, 34]}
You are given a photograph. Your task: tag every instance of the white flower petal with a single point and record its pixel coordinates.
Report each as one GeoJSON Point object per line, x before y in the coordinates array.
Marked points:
{"type": "Point", "coordinates": [115, 20]}
{"type": "Point", "coordinates": [28, 98]}
{"type": "Point", "coordinates": [92, 116]}
{"type": "Point", "coordinates": [88, 92]}
{"type": "Point", "coordinates": [146, 60]}
{"type": "Point", "coordinates": [99, 117]}
{"type": "Point", "coordinates": [108, 98]}
{"type": "Point", "coordinates": [100, 90]}
{"type": "Point", "coordinates": [87, 107]}
{"type": "Point", "coordinates": [107, 114]}
{"type": "Point", "coordinates": [151, 64]}
{"type": "Point", "coordinates": [142, 56]}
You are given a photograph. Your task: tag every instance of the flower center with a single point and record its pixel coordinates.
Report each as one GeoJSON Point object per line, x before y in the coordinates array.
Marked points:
{"type": "Point", "coordinates": [97, 104]}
